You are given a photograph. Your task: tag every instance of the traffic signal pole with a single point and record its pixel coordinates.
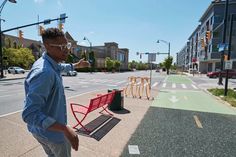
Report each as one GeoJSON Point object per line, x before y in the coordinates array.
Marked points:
{"type": "Point", "coordinates": [229, 52]}
{"type": "Point", "coordinates": [15, 28]}
{"type": "Point", "coordinates": [223, 41]}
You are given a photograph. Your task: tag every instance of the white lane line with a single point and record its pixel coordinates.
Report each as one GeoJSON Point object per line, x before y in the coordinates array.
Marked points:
{"type": "Point", "coordinates": [133, 149]}
{"type": "Point", "coordinates": [183, 86]}
{"type": "Point", "coordinates": [164, 85]}
{"type": "Point", "coordinates": [194, 86]}
{"type": "Point", "coordinates": [173, 85]}
{"type": "Point", "coordinates": [5, 95]}
{"type": "Point", "coordinates": [155, 84]}
{"type": "Point", "coordinates": [4, 115]}
{"type": "Point", "coordinates": [121, 82]}
{"type": "Point", "coordinates": [197, 121]}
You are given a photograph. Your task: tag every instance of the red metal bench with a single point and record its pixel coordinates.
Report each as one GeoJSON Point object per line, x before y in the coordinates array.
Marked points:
{"type": "Point", "coordinates": [100, 101]}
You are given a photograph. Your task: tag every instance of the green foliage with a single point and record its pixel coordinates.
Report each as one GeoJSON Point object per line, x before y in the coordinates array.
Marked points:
{"type": "Point", "coordinates": [92, 59]}
{"type": "Point", "coordinates": [117, 64]}
{"type": "Point", "coordinates": [138, 65]}
{"type": "Point", "coordinates": [22, 57]}
{"type": "Point", "coordinates": [83, 55]}
{"type": "Point", "coordinates": [230, 98]}
{"type": "Point", "coordinates": [109, 64]}
{"type": "Point", "coordinates": [70, 58]}
{"type": "Point", "coordinates": [167, 63]}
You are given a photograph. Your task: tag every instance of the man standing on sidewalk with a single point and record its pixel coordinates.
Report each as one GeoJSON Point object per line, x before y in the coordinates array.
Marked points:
{"type": "Point", "coordinates": [45, 102]}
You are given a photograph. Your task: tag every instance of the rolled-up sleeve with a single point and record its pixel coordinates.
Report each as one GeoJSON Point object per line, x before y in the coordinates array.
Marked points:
{"type": "Point", "coordinates": [38, 91]}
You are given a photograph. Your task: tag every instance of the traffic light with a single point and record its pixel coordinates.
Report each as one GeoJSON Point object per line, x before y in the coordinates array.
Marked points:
{"type": "Point", "coordinates": [208, 35]}
{"type": "Point", "coordinates": [202, 43]}
{"type": "Point", "coordinates": [41, 30]}
{"type": "Point", "coordinates": [60, 26]}
{"type": "Point", "coordinates": [20, 34]}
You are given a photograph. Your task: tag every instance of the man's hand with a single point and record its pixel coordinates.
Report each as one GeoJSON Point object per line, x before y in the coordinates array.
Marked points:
{"type": "Point", "coordinates": [81, 64]}
{"type": "Point", "coordinates": [72, 137]}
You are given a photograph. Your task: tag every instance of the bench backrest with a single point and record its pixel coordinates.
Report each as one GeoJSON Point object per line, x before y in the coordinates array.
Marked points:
{"type": "Point", "coordinates": [100, 101]}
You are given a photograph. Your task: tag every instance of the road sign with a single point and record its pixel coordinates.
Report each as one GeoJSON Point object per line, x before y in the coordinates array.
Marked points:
{"type": "Point", "coordinates": [48, 21]}
{"type": "Point", "coordinates": [228, 64]}
{"type": "Point", "coordinates": [62, 18]}
{"type": "Point", "coordinates": [151, 57]}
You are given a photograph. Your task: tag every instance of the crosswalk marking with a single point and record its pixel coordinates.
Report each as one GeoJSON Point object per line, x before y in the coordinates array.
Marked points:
{"type": "Point", "coordinates": [173, 85]}
{"type": "Point", "coordinates": [183, 85]}
{"type": "Point", "coordinates": [155, 84]}
{"type": "Point", "coordinates": [194, 86]}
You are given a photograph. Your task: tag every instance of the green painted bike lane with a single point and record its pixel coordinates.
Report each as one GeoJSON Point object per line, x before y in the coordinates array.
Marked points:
{"type": "Point", "coordinates": [189, 99]}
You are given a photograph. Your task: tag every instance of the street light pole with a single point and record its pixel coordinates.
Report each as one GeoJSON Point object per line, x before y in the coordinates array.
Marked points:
{"type": "Point", "coordinates": [90, 44]}
{"type": "Point", "coordinates": [168, 43]}
{"type": "Point", "coordinates": [1, 55]}
{"type": "Point", "coordinates": [223, 41]}
{"type": "Point", "coordinates": [90, 53]}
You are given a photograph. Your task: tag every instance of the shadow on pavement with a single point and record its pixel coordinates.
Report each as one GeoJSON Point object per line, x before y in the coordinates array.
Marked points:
{"type": "Point", "coordinates": [99, 127]}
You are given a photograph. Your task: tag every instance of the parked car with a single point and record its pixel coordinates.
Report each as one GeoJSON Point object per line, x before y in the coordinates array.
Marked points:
{"type": "Point", "coordinates": [69, 73]}
{"type": "Point", "coordinates": [15, 70]}
{"type": "Point", "coordinates": [215, 74]}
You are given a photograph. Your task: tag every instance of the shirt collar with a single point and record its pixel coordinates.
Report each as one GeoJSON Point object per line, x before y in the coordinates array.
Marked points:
{"type": "Point", "coordinates": [51, 61]}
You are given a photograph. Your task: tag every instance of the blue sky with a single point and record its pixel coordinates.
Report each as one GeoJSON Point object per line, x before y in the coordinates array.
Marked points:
{"type": "Point", "coordinates": [133, 24]}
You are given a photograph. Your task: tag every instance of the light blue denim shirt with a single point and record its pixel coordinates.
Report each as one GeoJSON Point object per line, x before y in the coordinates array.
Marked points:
{"type": "Point", "coordinates": [45, 101]}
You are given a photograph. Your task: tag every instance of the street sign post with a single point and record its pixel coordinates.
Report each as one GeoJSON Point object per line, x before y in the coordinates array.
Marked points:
{"type": "Point", "coordinates": [228, 64]}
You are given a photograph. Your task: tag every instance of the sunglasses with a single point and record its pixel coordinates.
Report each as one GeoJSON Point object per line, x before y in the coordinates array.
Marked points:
{"type": "Point", "coordinates": [63, 46]}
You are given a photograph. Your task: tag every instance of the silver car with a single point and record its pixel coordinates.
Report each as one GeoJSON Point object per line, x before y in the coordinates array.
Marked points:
{"type": "Point", "coordinates": [69, 73]}
{"type": "Point", "coordinates": [15, 70]}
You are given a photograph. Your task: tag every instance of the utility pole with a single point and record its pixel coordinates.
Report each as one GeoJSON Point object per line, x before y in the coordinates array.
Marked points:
{"type": "Point", "coordinates": [16, 28]}
{"type": "Point", "coordinates": [223, 41]}
{"type": "Point", "coordinates": [229, 53]}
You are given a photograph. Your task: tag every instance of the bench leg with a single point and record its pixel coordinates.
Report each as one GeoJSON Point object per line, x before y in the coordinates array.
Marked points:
{"type": "Point", "coordinates": [105, 109]}
{"type": "Point", "coordinates": [80, 123]}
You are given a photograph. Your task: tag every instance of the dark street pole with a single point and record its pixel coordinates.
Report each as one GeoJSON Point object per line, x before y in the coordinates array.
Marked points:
{"type": "Point", "coordinates": [169, 50]}
{"type": "Point", "coordinates": [1, 55]}
{"type": "Point", "coordinates": [223, 41]}
{"type": "Point", "coordinates": [229, 52]}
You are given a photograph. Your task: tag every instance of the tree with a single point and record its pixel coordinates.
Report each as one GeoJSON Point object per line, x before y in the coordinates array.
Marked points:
{"type": "Point", "coordinates": [22, 57]}
{"type": "Point", "coordinates": [83, 55]}
{"type": "Point", "coordinates": [167, 63]}
{"type": "Point", "coordinates": [109, 64]}
{"type": "Point", "coordinates": [117, 64]}
{"type": "Point", "coordinates": [92, 60]}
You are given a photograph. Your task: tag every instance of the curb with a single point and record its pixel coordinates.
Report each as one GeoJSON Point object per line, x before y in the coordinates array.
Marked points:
{"type": "Point", "coordinates": [8, 79]}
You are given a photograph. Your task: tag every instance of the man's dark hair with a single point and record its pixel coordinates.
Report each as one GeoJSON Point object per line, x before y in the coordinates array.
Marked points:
{"type": "Point", "coordinates": [51, 33]}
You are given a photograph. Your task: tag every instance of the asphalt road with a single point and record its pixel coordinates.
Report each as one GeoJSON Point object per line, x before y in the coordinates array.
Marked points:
{"type": "Point", "coordinates": [173, 133]}
{"type": "Point", "coordinates": [184, 122]}
{"type": "Point", "coordinates": [12, 91]}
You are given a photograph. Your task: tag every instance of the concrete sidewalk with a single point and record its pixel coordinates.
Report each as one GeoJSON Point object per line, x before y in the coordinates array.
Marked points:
{"type": "Point", "coordinates": [13, 76]}
{"type": "Point", "coordinates": [16, 141]}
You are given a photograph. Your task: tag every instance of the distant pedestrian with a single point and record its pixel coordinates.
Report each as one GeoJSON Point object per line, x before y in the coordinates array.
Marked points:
{"type": "Point", "coordinates": [45, 103]}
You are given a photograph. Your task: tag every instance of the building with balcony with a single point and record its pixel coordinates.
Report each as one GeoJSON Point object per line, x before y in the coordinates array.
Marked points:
{"type": "Point", "coordinates": [183, 58]}
{"type": "Point", "coordinates": [204, 41]}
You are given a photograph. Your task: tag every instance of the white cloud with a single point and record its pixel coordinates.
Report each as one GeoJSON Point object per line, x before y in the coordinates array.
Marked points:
{"type": "Point", "coordinates": [38, 1]}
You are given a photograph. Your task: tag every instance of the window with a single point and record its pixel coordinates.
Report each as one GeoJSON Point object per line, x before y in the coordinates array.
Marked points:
{"type": "Point", "coordinates": [216, 35]}
{"type": "Point", "coordinates": [215, 48]}
{"type": "Point", "coordinates": [218, 18]}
